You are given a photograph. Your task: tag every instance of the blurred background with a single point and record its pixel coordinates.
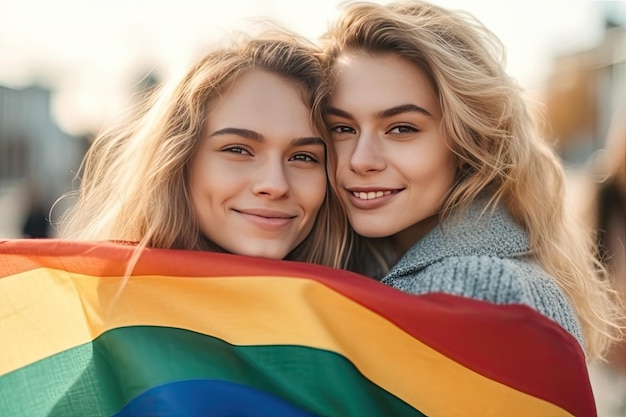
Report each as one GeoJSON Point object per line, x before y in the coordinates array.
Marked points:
{"type": "Point", "coordinates": [71, 68]}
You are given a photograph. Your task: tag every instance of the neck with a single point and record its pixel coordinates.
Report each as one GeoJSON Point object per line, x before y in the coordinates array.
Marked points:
{"type": "Point", "coordinates": [408, 237]}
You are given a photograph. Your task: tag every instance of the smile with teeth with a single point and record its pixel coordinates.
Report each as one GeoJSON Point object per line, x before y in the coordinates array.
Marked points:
{"type": "Point", "coordinates": [370, 195]}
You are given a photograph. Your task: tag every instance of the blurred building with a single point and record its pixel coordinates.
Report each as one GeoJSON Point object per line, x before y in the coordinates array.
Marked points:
{"type": "Point", "coordinates": [585, 91]}
{"type": "Point", "coordinates": [33, 149]}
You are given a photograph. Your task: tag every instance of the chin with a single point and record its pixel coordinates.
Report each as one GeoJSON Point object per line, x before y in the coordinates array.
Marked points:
{"type": "Point", "coordinates": [370, 232]}
{"type": "Point", "coordinates": [265, 253]}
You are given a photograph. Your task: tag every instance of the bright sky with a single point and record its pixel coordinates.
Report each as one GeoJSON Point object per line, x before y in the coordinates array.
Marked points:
{"type": "Point", "coordinates": [90, 52]}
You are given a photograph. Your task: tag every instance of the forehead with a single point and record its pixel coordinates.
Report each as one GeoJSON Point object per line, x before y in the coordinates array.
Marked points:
{"type": "Point", "coordinates": [384, 80]}
{"type": "Point", "coordinates": [259, 86]}
{"type": "Point", "coordinates": [263, 101]}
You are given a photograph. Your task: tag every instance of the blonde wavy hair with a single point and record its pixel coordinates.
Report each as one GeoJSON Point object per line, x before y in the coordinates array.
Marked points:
{"type": "Point", "coordinates": [134, 180]}
{"type": "Point", "coordinates": [500, 151]}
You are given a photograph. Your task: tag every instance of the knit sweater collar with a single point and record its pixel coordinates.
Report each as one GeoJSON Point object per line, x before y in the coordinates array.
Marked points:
{"type": "Point", "coordinates": [477, 233]}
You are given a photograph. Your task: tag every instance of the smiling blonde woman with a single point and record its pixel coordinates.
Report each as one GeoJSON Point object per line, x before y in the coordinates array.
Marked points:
{"type": "Point", "coordinates": [231, 160]}
{"type": "Point", "coordinates": [443, 172]}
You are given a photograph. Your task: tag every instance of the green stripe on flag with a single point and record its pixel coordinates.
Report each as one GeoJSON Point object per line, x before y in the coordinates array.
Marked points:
{"type": "Point", "coordinates": [99, 378]}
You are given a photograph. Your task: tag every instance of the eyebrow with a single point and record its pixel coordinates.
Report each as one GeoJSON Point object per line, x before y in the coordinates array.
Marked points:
{"type": "Point", "coordinates": [244, 133]}
{"type": "Point", "coordinates": [403, 108]}
{"type": "Point", "coordinates": [257, 137]}
{"type": "Point", "coordinates": [393, 111]}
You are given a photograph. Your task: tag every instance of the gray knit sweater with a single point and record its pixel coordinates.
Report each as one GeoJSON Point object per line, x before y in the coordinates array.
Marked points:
{"type": "Point", "coordinates": [485, 257]}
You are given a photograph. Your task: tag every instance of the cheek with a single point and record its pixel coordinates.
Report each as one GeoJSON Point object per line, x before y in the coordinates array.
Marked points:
{"type": "Point", "coordinates": [449, 164]}
{"type": "Point", "coordinates": [343, 166]}
{"type": "Point", "coordinates": [344, 150]}
{"type": "Point", "coordinates": [199, 171]}
{"type": "Point", "coordinates": [209, 190]}
{"type": "Point", "coordinates": [312, 192]}
{"type": "Point", "coordinates": [435, 163]}
{"type": "Point", "coordinates": [194, 180]}
{"type": "Point", "coordinates": [200, 182]}
{"type": "Point", "coordinates": [214, 175]}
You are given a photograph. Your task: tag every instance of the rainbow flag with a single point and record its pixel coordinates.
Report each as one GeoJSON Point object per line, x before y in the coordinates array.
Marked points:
{"type": "Point", "coordinates": [206, 334]}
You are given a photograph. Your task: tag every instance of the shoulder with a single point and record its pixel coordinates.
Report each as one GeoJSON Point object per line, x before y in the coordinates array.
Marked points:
{"type": "Point", "coordinates": [500, 280]}
{"type": "Point", "coordinates": [476, 233]}
{"type": "Point", "coordinates": [494, 279]}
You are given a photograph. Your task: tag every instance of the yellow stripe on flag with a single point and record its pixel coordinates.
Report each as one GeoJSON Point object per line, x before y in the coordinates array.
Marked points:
{"type": "Point", "coordinates": [46, 311]}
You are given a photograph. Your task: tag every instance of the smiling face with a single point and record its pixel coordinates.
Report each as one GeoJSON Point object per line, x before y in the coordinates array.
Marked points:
{"type": "Point", "coordinates": [258, 178]}
{"type": "Point", "coordinates": [395, 168]}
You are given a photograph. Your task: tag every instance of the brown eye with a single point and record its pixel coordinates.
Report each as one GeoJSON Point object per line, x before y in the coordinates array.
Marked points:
{"type": "Point", "coordinates": [402, 130]}
{"type": "Point", "coordinates": [342, 129]}
{"type": "Point", "coordinates": [303, 157]}
{"type": "Point", "coordinates": [236, 149]}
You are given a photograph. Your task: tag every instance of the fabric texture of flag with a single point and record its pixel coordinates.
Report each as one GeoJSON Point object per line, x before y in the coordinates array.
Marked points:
{"type": "Point", "coordinates": [209, 334]}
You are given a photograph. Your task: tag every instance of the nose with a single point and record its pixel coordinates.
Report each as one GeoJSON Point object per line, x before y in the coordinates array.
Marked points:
{"type": "Point", "coordinates": [367, 155]}
{"type": "Point", "coordinates": [271, 181]}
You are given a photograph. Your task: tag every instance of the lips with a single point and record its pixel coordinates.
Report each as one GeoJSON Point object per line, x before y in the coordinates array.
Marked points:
{"type": "Point", "coordinates": [266, 213]}
{"type": "Point", "coordinates": [267, 219]}
{"type": "Point", "coordinates": [370, 195]}
{"type": "Point", "coordinates": [371, 198]}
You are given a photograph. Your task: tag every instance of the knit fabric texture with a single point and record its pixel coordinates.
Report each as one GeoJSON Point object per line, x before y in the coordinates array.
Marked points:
{"type": "Point", "coordinates": [486, 256]}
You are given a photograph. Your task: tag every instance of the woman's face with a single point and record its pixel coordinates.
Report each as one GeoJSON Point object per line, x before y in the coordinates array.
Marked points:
{"type": "Point", "coordinates": [258, 178]}
{"type": "Point", "coordinates": [395, 167]}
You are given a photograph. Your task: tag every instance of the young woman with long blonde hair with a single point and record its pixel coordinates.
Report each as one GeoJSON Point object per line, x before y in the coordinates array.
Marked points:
{"type": "Point", "coordinates": [444, 172]}
{"type": "Point", "coordinates": [232, 159]}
